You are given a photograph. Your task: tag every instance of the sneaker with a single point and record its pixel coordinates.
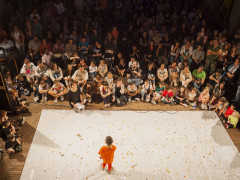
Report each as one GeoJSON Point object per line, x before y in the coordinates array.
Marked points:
{"type": "Point", "coordinates": [62, 98]}
{"type": "Point", "coordinates": [206, 107]}
{"type": "Point", "coordinates": [36, 98]}
{"type": "Point", "coordinates": [194, 107]}
{"type": "Point", "coordinates": [137, 99]}
{"type": "Point", "coordinates": [84, 101]}
{"type": "Point", "coordinates": [142, 98]}
{"type": "Point", "coordinates": [132, 101]}
{"type": "Point", "coordinates": [226, 125]}
{"type": "Point", "coordinates": [148, 100]}
{"type": "Point", "coordinates": [45, 99]}
{"type": "Point", "coordinates": [55, 100]}
{"type": "Point", "coordinates": [202, 106]}
{"type": "Point", "coordinates": [129, 100]}
{"type": "Point", "coordinates": [154, 102]}
{"type": "Point", "coordinates": [185, 105]}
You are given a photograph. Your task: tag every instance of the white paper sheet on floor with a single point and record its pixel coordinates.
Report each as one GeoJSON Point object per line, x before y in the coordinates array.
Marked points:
{"type": "Point", "coordinates": [150, 145]}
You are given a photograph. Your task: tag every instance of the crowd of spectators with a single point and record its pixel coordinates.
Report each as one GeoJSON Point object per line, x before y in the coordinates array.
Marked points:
{"type": "Point", "coordinates": [119, 52]}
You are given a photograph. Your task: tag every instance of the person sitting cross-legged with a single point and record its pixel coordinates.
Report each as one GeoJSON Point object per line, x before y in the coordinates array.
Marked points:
{"type": "Point", "coordinates": [58, 90]}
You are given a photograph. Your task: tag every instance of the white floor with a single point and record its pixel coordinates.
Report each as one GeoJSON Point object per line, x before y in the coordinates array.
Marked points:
{"type": "Point", "coordinates": [150, 145]}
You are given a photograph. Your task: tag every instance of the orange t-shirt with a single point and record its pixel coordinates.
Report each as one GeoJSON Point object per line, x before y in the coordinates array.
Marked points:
{"type": "Point", "coordinates": [107, 154]}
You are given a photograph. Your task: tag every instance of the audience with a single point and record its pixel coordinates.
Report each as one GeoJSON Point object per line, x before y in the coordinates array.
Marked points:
{"type": "Point", "coordinates": [75, 53]}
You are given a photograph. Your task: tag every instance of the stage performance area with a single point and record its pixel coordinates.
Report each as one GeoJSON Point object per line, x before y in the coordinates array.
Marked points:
{"type": "Point", "coordinates": [150, 145]}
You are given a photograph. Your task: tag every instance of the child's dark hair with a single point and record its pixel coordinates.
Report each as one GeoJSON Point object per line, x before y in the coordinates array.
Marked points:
{"type": "Point", "coordinates": [109, 140]}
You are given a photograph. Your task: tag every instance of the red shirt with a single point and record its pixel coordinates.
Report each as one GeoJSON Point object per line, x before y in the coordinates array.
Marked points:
{"type": "Point", "coordinates": [229, 112]}
{"type": "Point", "coordinates": [167, 94]}
{"type": "Point", "coordinates": [47, 46]}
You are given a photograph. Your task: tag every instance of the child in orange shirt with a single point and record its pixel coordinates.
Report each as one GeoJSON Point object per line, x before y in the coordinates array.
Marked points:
{"type": "Point", "coordinates": [107, 153]}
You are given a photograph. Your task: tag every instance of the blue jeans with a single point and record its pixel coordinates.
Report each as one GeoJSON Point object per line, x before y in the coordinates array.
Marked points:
{"type": "Point", "coordinates": [137, 81]}
{"type": "Point", "coordinates": [196, 86]}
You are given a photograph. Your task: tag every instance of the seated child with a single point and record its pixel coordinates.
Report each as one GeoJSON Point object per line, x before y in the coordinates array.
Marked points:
{"type": "Point", "coordinates": [232, 120]}
{"type": "Point", "coordinates": [221, 106]}
{"type": "Point", "coordinates": [204, 97]}
{"type": "Point", "coordinates": [43, 90]}
{"type": "Point", "coordinates": [146, 91]}
{"type": "Point", "coordinates": [191, 99]}
{"type": "Point", "coordinates": [92, 70]}
{"type": "Point", "coordinates": [180, 96]}
{"type": "Point", "coordinates": [132, 92]}
{"type": "Point", "coordinates": [105, 92]}
{"type": "Point", "coordinates": [167, 96]}
{"type": "Point", "coordinates": [229, 111]}
{"type": "Point", "coordinates": [157, 95]}
{"type": "Point", "coordinates": [23, 86]}
{"type": "Point", "coordinates": [109, 79]}
{"type": "Point", "coordinates": [58, 90]}
{"type": "Point", "coordinates": [9, 82]}
{"type": "Point", "coordinates": [7, 129]}
{"type": "Point", "coordinates": [213, 102]}
{"type": "Point", "coordinates": [107, 153]}
{"type": "Point", "coordinates": [13, 144]}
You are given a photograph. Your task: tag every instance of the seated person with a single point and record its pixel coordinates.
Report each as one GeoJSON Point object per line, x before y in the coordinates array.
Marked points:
{"type": "Point", "coordinates": [173, 74]}
{"type": "Point", "coordinates": [162, 73]}
{"type": "Point", "coordinates": [28, 70]}
{"type": "Point", "coordinates": [192, 97]}
{"type": "Point", "coordinates": [23, 86]}
{"type": "Point", "coordinates": [204, 98]}
{"type": "Point", "coordinates": [75, 96]}
{"type": "Point", "coordinates": [157, 95]}
{"type": "Point", "coordinates": [58, 90]}
{"type": "Point", "coordinates": [81, 77]}
{"type": "Point", "coordinates": [13, 144]}
{"type": "Point", "coordinates": [55, 73]}
{"type": "Point", "coordinates": [75, 60]}
{"type": "Point", "coordinates": [213, 101]}
{"type": "Point", "coordinates": [215, 78]}
{"type": "Point", "coordinates": [97, 82]}
{"type": "Point", "coordinates": [118, 93]}
{"type": "Point", "coordinates": [105, 92]}
{"type": "Point", "coordinates": [102, 68]}
{"type": "Point", "coordinates": [232, 120]}
{"type": "Point", "coordinates": [134, 74]}
{"type": "Point", "coordinates": [199, 77]}
{"type": "Point", "coordinates": [132, 92]}
{"type": "Point", "coordinates": [146, 91]}
{"type": "Point", "coordinates": [47, 57]}
{"type": "Point", "coordinates": [109, 79]}
{"type": "Point", "coordinates": [219, 89]}
{"type": "Point", "coordinates": [180, 96]}
{"type": "Point", "coordinates": [149, 74]}
{"type": "Point", "coordinates": [221, 106]}
{"type": "Point", "coordinates": [7, 129]}
{"type": "Point", "coordinates": [67, 75]}
{"type": "Point", "coordinates": [41, 70]}
{"type": "Point", "coordinates": [83, 63]}
{"type": "Point", "coordinates": [43, 90]}
{"type": "Point", "coordinates": [185, 77]}
{"type": "Point", "coordinates": [121, 67]}
{"type": "Point", "coordinates": [167, 96]}
{"type": "Point", "coordinates": [92, 70]}
{"type": "Point", "coordinates": [229, 111]}
{"type": "Point", "coordinates": [97, 52]}
{"type": "Point", "coordinates": [17, 106]}
{"type": "Point", "coordinates": [131, 62]}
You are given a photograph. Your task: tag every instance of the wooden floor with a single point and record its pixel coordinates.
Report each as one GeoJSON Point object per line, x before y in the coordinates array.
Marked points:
{"type": "Point", "coordinates": [11, 165]}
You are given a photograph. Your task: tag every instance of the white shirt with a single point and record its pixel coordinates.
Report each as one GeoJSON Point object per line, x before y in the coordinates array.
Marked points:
{"type": "Point", "coordinates": [92, 69]}
{"type": "Point", "coordinates": [47, 59]}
